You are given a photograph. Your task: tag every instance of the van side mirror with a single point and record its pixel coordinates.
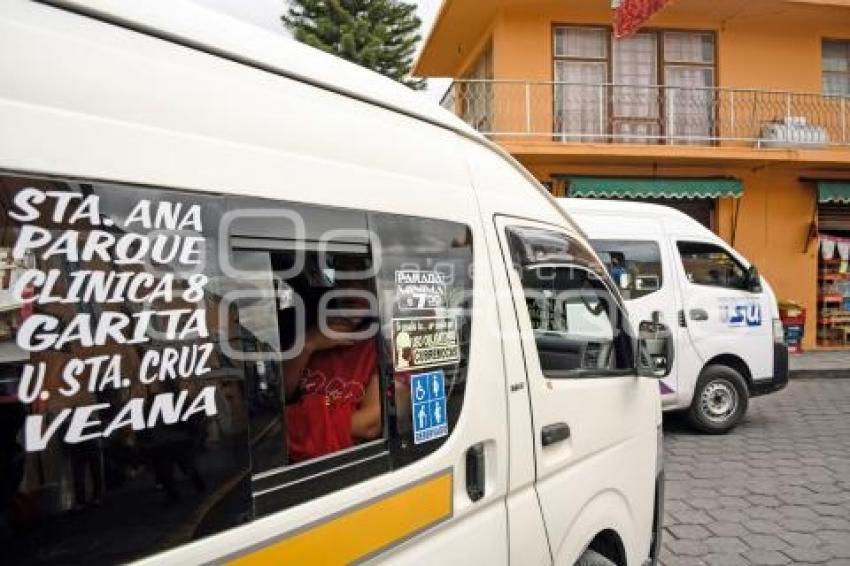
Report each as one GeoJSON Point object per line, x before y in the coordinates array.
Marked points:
{"type": "Point", "coordinates": [753, 280]}
{"type": "Point", "coordinates": [656, 350]}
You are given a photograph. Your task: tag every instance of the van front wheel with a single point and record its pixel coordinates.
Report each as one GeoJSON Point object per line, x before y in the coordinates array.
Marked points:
{"type": "Point", "coordinates": [593, 558]}
{"type": "Point", "coordinates": [720, 400]}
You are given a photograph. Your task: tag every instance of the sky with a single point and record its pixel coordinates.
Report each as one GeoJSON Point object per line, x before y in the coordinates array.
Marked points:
{"type": "Point", "coordinates": [266, 14]}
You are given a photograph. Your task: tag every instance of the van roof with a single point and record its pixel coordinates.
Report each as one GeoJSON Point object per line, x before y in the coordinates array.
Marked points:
{"type": "Point", "coordinates": [185, 22]}
{"type": "Point", "coordinates": [204, 28]}
{"type": "Point", "coordinates": [623, 207]}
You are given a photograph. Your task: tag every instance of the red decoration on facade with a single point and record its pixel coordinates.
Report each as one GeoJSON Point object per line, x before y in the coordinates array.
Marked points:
{"type": "Point", "coordinates": [632, 14]}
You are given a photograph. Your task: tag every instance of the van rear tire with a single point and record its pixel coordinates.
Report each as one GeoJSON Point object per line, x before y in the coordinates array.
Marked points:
{"type": "Point", "coordinates": [720, 400]}
{"type": "Point", "coordinates": [593, 558]}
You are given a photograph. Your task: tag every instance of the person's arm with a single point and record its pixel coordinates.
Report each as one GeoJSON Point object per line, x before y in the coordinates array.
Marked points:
{"type": "Point", "coordinates": [293, 368]}
{"type": "Point", "coordinates": [314, 342]}
{"type": "Point", "coordinates": [366, 420]}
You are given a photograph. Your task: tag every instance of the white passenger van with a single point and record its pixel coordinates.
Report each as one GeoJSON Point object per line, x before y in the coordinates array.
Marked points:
{"type": "Point", "coordinates": [729, 341]}
{"type": "Point", "coordinates": [264, 307]}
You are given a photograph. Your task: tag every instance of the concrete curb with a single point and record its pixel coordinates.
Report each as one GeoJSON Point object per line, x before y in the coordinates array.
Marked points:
{"type": "Point", "coordinates": [820, 374]}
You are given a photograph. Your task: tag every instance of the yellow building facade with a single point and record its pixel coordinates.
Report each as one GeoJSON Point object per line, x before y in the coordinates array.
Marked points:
{"type": "Point", "coordinates": [755, 93]}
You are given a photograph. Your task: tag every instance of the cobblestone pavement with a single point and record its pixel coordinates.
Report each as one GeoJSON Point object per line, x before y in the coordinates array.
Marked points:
{"type": "Point", "coordinates": [776, 490]}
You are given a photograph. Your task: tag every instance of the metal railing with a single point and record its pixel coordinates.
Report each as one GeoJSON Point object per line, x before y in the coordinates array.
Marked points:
{"type": "Point", "coordinates": [614, 113]}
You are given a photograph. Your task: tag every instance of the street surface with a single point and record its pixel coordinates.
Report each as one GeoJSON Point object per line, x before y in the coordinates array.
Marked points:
{"type": "Point", "coordinates": [776, 490]}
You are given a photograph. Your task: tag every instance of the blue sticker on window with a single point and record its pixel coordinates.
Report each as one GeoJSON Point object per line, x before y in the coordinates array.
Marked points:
{"type": "Point", "coordinates": [428, 397]}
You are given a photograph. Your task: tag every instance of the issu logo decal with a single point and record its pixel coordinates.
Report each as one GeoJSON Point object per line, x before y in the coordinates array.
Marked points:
{"type": "Point", "coordinates": [740, 312]}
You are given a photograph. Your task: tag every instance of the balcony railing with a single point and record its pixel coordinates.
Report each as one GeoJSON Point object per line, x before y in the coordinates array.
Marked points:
{"type": "Point", "coordinates": [614, 113]}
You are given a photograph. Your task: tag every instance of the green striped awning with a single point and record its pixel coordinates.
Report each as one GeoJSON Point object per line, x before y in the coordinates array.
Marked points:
{"type": "Point", "coordinates": [649, 188]}
{"type": "Point", "coordinates": [834, 191]}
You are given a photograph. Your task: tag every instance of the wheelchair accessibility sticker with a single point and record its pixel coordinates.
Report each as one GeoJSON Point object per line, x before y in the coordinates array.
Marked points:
{"type": "Point", "coordinates": [428, 397]}
{"type": "Point", "coordinates": [740, 312]}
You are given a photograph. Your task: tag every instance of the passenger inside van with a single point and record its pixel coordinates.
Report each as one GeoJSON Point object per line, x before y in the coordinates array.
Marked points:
{"type": "Point", "coordinates": [331, 388]}
{"type": "Point", "coordinates": [617, 268]}
{"type": "Point", "coordinates": [640, 261]}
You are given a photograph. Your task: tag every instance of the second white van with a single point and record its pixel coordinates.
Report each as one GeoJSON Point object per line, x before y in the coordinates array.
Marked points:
{"type": "Point", "coordinates": [729, 341]}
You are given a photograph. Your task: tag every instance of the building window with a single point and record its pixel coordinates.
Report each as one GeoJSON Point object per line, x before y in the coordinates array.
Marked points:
{"type": "Point", "coordinates": [688, 78]}
{"type": "Point", "coordinates": [836, 68]}
{"type": "Point", "coordinates": [476, 94]}
{"type": "Point", "coordinates": [651, 86]}
{"type": "Point", "coordinates": [582, 66]}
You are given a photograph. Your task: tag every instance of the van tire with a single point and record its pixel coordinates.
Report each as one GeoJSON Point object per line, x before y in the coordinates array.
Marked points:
{"type": "Point", "coordinates": [720, 400]}
{"type": "Point", "coordinates": [593, 558]}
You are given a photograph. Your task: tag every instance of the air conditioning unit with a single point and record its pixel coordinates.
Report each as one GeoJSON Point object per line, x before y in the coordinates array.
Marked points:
{"type": "Point", "coordinates": [792, 131]}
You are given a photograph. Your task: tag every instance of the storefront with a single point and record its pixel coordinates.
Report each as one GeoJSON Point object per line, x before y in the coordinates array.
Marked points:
{"type": "Point", "coordinates": [792, 225]}
{"type": "Point", "coordinates": [833, 230]}
{"type": "Point", "coordinates": [696, 197]}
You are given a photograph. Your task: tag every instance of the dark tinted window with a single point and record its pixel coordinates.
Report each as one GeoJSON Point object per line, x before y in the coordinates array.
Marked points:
{"type": "Point", "coordinates": [634, 266]}
{"type": "Point", "coordinates": [339, 333]}
{"type": "Point", "coordinates": [579, 327]}
{"type": "Point", "coordinates": [124, 430]}
{"type": "Point", "coordinates": [308, 342]}
{"type": "Point", "coordinates": [148, 395]}
{"type": "Point", "coordinates": [425, 285]}
{"type": "Point", "coordinates": [709, 264]}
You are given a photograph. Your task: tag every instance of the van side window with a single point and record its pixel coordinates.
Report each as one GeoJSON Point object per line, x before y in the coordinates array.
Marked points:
{"type": "Point", "coordinates": [580, 328]}
{"type": "Point", "coordinates": [308, 331]}
{"type": "Point", "coordinates": [635, 266]}
{"type": "Point", "coordinates": [354, 342]}
{"type": "Point", "coordinates": [163, 380]}
{"type": "Point", "coordinates": [709, 264]}
{"type": "Point", "coordinates": [425, 286]}
{"type": "Point", "coordinates": [123, 422]}
{"type": "Point", "coordinates": [328, 375]}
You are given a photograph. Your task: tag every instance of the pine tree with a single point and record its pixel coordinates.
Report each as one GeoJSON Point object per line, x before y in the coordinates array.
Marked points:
{"type": "Point", "coordinates": [378, 34]}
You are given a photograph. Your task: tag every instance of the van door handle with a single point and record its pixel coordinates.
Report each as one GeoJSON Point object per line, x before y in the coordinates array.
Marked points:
{"type": "Point", "coordinates": [553, 433]}
{"type": "Point", "coordinates": [475, 471]}
{"type": "Point", "coordinates": [699, 314]}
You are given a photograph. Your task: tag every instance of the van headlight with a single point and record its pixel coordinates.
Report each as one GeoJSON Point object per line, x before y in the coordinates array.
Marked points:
{"type": "Point", "coordinates": [778, 331]}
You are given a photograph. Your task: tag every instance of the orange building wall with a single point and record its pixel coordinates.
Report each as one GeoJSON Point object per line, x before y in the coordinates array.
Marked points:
{"type": "Point", "coordinates": [774, 221]}
{"type": "Point", "coordinates": [776, 51]}
{"type": "Point", "coordinates": [753, 57]}
{"type": "Point", "coordinates": [781, 56]}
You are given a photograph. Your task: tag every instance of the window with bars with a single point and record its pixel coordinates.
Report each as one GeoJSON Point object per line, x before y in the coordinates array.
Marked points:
{"type": "Point", "coordinates": [836, 67]}
{"type": "Point", "coordinates": [651, 86]}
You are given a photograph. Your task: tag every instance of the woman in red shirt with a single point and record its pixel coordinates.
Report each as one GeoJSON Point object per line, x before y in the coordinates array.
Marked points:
{"type": "Point", "coordinates": [331, 388]}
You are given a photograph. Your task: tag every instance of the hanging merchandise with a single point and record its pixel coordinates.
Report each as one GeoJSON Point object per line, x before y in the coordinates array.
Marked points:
{"type": "Point", "coordinates": [833, 311]}
{"type": "Point", "coordinates": [630, 15]}
{"type": "Point", "coordinates": [843, 246]}
{"type": "Point", "coordinates": [833, 290]}
{"type": "Point", "coordinates": [827, 247]}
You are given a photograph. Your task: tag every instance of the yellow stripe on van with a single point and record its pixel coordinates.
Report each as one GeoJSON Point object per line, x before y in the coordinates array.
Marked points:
{"type": "Point", "coordinates": [362, 531]}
